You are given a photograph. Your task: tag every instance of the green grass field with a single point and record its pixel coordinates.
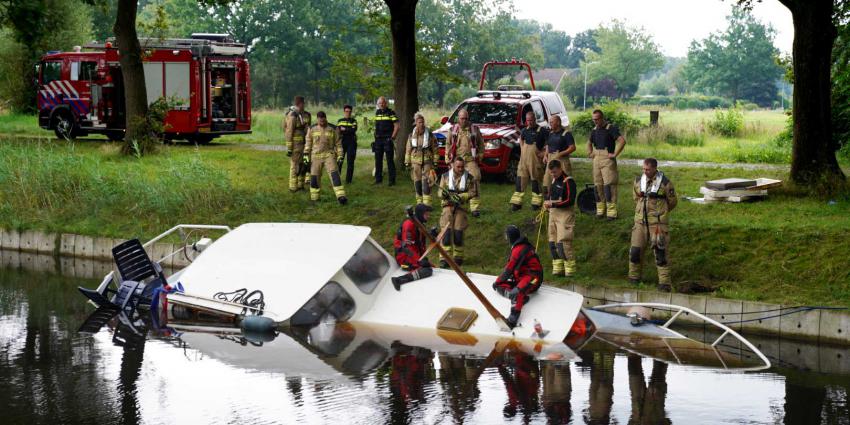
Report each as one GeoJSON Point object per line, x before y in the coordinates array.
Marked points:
{"type": "Point", "coordinates": [681, 136]}
{"type": "Point", "coordinates": [787, 249]}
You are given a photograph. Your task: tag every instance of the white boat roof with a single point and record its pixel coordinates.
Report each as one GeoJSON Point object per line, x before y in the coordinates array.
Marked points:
{"type": "Point", "coordinates": [252, 255]}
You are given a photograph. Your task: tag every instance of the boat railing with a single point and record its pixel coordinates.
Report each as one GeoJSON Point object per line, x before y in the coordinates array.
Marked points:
{"type": "Point", "coordinates": [678, 310]}
{"type": "Point", "coordinates": [181, 229]}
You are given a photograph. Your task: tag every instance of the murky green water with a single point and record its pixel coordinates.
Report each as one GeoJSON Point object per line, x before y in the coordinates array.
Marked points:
{"type": "Point", "coordinates": [52, 374]}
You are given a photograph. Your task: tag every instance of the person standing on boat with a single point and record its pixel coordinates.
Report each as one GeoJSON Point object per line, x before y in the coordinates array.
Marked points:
{"type": "Point", "coordinates": [458, 190]}
{"type": "Point", "coordinates": [324, 148]}
{"type": "Point", "coordinates": [654, 197]}
{"type": "Point", "coordinates": [410, 248]}
{"type": "Point", "coordinates": [604, 146]}
{"type": "Point", "coordinates": [295, 127]}
{"type": "Point", "coordinates": [562, 219]}
{"type": "Point", "coordinates": [386, 129]}
{"type": "Point", "coordinates": [420, 155]}
{"type": "Point", "coordinates": [522, 275]}
{"type": "Point", "coordinates": [466, 142]}
{"type": "Point", "coordinates": [532, 143]}
{"type": "Point", "coordinates": [347, 126]}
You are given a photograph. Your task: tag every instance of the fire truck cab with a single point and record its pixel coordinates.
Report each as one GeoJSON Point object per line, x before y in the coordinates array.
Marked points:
{"type": "Point", "coordinates": [500, 115]}
{"type": "Point", "coordinates": [82, 92]}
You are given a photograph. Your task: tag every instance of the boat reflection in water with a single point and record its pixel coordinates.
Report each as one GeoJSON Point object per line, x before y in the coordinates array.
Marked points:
{"type": "Point", "coordinates": [411, 361]}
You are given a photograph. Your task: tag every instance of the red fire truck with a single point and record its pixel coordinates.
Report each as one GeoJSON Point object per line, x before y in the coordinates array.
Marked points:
{"type": "Point", "coordinates": [82, 92]}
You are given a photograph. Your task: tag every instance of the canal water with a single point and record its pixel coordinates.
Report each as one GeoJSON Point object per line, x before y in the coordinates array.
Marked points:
{"type": "Point", "coordinates": [52, 374]}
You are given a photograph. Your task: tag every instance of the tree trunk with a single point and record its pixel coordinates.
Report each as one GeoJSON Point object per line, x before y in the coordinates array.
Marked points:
{"type": "Point", "coordinates": [405, 85]}
{"type": "Point", "coordinates": [813, 156]}
{"type": "Point", "coordinates": [135, 95]}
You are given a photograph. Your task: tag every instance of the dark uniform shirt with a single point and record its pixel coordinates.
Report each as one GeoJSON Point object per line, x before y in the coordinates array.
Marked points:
{"type": "Point", "coordinates": [348, 129]}
{"type": "Point", "coordinates": [384, 122]}
{"type": "Point", "coordinates": [536, 135]}
{"type": "Point", "coordinates": [605, 138]}
{"type": "Point", "coordinates": [562, 192]}
{"type": "Point", "coordinates": [560, 140]}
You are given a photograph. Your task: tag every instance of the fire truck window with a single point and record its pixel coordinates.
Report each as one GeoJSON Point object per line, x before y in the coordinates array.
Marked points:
{"type": "Point", "coordinates": [538, 111]}
{"type": "Point", "coordinates": [489, 113]}
{"type": "Point", "coordinates": [88, 71]}
{"type": "Point", "coordinates": [51, 71]}
{"type": "Point", "coordinates": [75, 71]}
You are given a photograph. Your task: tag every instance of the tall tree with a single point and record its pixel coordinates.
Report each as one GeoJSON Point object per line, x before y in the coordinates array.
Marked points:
{"type": "Point", "coordinates": [132, 71]}
{"type": "Point", "coordinates": [738, 63]}
{"type": "Point", "coordinates": [624, 55]}
{"type": "Point", "coordinates": [813, 160]}
{"type": "Point", "coordinates": [405, 84]}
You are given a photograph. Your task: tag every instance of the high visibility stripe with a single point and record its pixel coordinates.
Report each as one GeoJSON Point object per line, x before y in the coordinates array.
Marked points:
{"type": "Point", "coordinates": [58, 87]}
{"type": "Point", "coordinates": [386, 118]}
{"type": "Point", "coordinates": [71, 88]}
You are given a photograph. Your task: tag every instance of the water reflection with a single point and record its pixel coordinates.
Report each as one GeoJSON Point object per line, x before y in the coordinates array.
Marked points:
{"type": "Point", "coordinates": [354, 374]}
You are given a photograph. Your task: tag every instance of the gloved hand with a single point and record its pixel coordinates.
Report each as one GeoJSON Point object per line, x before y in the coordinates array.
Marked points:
{"type": "Point", "coordinates": [514, 293]}
{"type": "Point", "coordinates": [306, 159]}
{"type": "Point", "coordinates": [288, 152]}
{"type": "Point", "coordinates": [407, 165]}
{"type": "Point", "coordinates": [339, 164]}
{"type": "Point", "coordinates": [455, 198]}
{"type": "Point", "coordinates": [374, 147]}
{"type": "Point", "coordinates": [434, 232]}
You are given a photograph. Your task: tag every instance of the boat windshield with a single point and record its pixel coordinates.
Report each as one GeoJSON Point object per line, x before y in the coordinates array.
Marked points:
{"type": "Point", "coordinates": [366, 267]}
{"type": "Point", "coordinates": [330, 304]}
{"type": "Point", "coordinates": [489, 113]}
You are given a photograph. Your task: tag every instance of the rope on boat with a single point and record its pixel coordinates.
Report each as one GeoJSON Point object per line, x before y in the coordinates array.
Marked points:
{"type": "Point", "coordinates": [253, 299]}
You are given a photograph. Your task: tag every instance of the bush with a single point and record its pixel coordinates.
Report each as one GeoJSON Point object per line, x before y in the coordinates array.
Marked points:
{"type": "Point", "coordinates": [454, 96]}
{"type": "Point", "coordinates": [728, 123]}
{"type": "Point", "coordinates": [614, 112]}
{"type": "Point", "coordinates": [693, 137]}
{"type": "Point", "coordinates": [684, 101]}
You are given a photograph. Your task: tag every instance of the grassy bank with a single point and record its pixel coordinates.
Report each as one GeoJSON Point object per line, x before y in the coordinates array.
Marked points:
{"type": "Point", "coordinates": [786, 249]}
{"type": "Point", "coordinates": [682, 135]}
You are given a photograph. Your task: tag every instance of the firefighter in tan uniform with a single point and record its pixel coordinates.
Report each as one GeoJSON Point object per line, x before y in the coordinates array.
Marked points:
{"type": "Point", "coordinates": [562, 219]}
{"type": "Point", "coordinates": [420, 154]}
{"type": "Point", "coordinates": [531, 144]}
{"type": "Point", "coordinates": [604, 146]}
{"type": "Point", "coordinates": [295, 127]}
{"type": "Point", "coordinates": [324, 148]}
{"type": "Point", "coordinates": [560, 143]}
{"type": "Point", "coordinates": [466, 143]}
{"type": "Point", "coordinates": [458, 190]}
{"type": "Point", "coordinates": [654, 199]}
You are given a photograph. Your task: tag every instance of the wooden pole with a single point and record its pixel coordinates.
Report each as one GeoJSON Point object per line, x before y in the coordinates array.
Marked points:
{"type": "Point", "coordinates": [500, 320]}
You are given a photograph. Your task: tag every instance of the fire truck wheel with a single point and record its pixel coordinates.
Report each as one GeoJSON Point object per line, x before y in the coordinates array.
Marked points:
{"type": "Point", "coordinates": [64, 126]}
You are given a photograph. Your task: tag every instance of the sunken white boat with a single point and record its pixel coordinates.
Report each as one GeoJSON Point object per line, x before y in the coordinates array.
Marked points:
{"type": "Point", "coordinates": [313, 277]}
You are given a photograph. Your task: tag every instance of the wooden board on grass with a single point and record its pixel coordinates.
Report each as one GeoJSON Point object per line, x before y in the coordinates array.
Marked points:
{"type": "Point", "coordinates": [730, 183]}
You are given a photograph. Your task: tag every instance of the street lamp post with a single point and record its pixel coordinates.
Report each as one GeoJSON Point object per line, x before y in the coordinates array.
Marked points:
{"type": "Point", "coordinates": [584, 101]}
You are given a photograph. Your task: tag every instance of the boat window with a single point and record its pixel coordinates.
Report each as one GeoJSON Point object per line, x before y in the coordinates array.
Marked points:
{"type": "Point", "coordinates": [331, 304]}
{"type": "Point", "coordinates": [366, 267]}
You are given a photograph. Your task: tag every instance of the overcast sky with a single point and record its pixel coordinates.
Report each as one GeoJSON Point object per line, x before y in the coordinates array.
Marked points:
{"type": "Point", "coordinates": [673, 23]}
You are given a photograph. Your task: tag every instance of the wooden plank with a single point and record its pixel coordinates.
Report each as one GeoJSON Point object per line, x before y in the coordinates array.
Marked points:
{"type": "Point", "coordinates": [727, 193]}
{"type": "Point", "coordinates": [730, 183]}
{"type": "Point", "coordinates": [763, 184]}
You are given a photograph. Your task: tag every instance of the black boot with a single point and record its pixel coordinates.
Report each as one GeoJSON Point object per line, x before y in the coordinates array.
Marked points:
{"type": "Point", "coordinates": [401, 280]}
{"type": "Point", "coordinates": [342, 200]}
{"type": "Point", "coordinates": [513, 319]}
{"type": "Point", "coordinates": [444, 264]}
{"type": "Point", "coordinates": [515, 207]}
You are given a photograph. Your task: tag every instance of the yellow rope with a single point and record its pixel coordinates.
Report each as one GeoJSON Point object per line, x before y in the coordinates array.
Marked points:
{"type": "Point", "coordinates": [539, 219]}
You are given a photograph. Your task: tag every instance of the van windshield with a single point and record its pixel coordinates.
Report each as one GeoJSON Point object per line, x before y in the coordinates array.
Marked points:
{"type": "Point", "coordinates": [489, 113]}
